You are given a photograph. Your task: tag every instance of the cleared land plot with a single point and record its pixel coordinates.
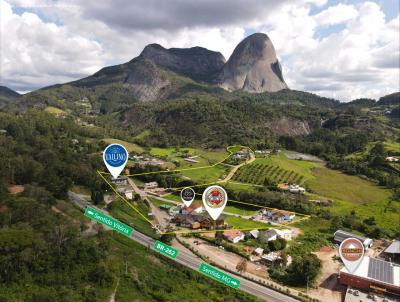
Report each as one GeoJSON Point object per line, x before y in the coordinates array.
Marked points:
{"type": "Point", "coordinates": [124, 213]}
{"type": "Point", "coordinates": [241, 223]}
{"type": "Point", "coordinates": [203, 157]}
{"type": "Point", "coordinates": [206, 175]}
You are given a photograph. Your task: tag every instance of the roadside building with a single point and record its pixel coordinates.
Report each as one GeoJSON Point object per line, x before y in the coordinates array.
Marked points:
{"type": "Point", "coordinates": [150, 185]}
{"type": "Point", "coordinates": [233, 236]}
{"type": "Point", "coordinates": [373, 275]}
{"type": "Point", "coordinates": [254, 233]}
{"type": "Point", "coordinates": [207, 222]}
{"type": "Point", "coordinates": [128, 193]}
{"type": "Point", "coordinates": [341, 235]}
{"type": "Point", "coordinates": [120, 181]}
{"type": "Point", "coordinates": [186, 221]}
{"type": "Point", "coordinates": [174, 210]}
{"type": "Point", "coordinates": [271, 258]}
{"type": "Point", "coordinates": [258, 251]}
{"type": "Point", "coordinates": [269, 235]}
{"type": "Point", "coordinates": [284, 233]}
{"type": "Point", "coordinates": [277, 215]}
{"type": "Point", "coordinates": [193, 209]}
{"type": "Point", "coordinates": [392, 252]}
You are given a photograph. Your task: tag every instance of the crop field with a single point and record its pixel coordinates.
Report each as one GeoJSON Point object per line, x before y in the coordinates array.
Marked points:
{"type": "Point", "coordinates": [258, 173]}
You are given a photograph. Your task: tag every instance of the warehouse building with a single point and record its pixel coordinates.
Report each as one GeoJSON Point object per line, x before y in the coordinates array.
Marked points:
{"type": "Point", "coordinates": [373, 275]}
{"type": "Point", "coordinates": [342, 235]}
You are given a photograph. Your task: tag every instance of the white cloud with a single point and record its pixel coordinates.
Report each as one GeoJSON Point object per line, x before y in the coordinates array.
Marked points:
{"type": "Point", "coordinates": [360, 60]}
{"type": "Point", "coordinates": [344, 51]}
{"type": "Point", "coordinates": [336, 14]}
{"type": "Point", "coordinates": [35, 53]}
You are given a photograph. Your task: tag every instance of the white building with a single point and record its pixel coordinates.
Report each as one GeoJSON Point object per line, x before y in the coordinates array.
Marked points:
{"type": "Point", "coordinates": [254, 233]}
{"type": "Point", "coordinates": [284, 233]}
{"type": "Point", "coordinates": [150, 185]}
{"type": "Point", "coordinates": [341, 235]}
{"type": "Point", "coordinates": [392, 159]}
{"type": "Point", "coordinates": [296, 189]}
{"type": "Point", "coordinates": [128, 193]}
{"type": "Point", "coordinates": [233, 236]}
{"type": "Point", "coordinates": [258, 251]}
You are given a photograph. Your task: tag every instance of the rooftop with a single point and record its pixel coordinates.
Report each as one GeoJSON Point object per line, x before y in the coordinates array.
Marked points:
{"type": "Point", "coordinates": [378, 270]}
{"type": "Point", "coordinates": [394, 248]}
{"type": "Point", "coordinates": [343, 234]}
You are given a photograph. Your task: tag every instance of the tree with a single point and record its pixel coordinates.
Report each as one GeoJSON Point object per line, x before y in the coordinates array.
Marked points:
{"type": "Point", "coordinates": [303, 269]}
{"type": "Point", "coordinates": [276, 245]}
{"type": "Point", "coordinates": [241, 266]}
{"type": "Point", "coordinates": [167, 238]}
{"type": "Point", "coordinates": [97, 196]}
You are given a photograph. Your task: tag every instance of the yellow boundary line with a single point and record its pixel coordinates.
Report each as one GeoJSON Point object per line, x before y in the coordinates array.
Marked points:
{"type": "Point", "coordinates": [201, 185]}
{"type": "Point", "coordinates": [123, 198]}
{"type": "Point", "coordinates": [189, 169]}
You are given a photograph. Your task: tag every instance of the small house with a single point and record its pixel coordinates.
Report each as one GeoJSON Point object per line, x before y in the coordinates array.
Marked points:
{"type": "Point", "coordinates": [258, 251]}
{"type": "Point", "coordinates": [174, 210]}
{"type": "Point", "coordinates": [233, 236]}
{"type": "Point", "coordinates": [254, 233]}
{"type": "Point", "coordinates": [150, 185]}
{"type": "Point", "coordinates": [271, 258]}
{"type": "Point", "coordinates": [193, 209]}
{"type": "Point", "coordinates": [269, 235]}
{"type": "Point", "coordinates": [128, 193]}
{"type": "Point", "coordinates": [120, 181]}
{"type": "Point", "coordinates": [296, 189]}
{"type": "Point", "coordinates": [284, 233]}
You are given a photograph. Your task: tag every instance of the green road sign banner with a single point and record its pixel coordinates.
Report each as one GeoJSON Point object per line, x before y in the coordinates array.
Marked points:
{"type": "Point", "coordinates": [108, 221]}
{"type": "Point", "coordinates": [165, 249]}
{"type": "Point", "coordinates": [218, 275]}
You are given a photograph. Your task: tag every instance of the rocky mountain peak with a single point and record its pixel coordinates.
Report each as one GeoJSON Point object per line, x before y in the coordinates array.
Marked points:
{"type": "Point", "coordinates": [253, 66]}
{"type": "Point", "coordinates": [198, 63]}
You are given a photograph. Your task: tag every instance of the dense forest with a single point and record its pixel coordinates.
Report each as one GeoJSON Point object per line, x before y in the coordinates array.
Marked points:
{"type": "Point", "coordinates": [45, 253]}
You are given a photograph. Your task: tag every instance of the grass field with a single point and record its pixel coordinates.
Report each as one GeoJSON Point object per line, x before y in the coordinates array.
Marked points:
{"type": "Point", "coordinates": [241, 223]}
{"type": "Point", "coordinates": [204, 157]}
{"type": "Point", "coordinates": [353, 193]}
{"type": "Point", "coordinates": [121, 211]}
{"type": "Point", "coordinates": [236, 186]}
{"type": "Point", "coordinates": [206, 175]}
{"type": "Point", "coordinates": [348, 192]}
{"type": "Point", "coordinates": [231, 208]}
{"type": "Point", "coordinates": [142, 135]}
{"type": "Point", "coordinates": [129, 146]}
{"type": "Point", "coordinates": [390, 146]}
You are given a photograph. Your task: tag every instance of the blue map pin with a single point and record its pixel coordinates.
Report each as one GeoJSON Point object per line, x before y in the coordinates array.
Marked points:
{"type": "Point", "coordinates": [115, 157]}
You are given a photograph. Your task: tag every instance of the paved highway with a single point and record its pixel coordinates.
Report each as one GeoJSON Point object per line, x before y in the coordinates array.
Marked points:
{"type": "Point", "coordinates": [190, 260]}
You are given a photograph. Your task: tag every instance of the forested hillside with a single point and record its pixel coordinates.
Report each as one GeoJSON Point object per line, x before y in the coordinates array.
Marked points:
{"type": "Point", "coordinates": [46, 253]}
